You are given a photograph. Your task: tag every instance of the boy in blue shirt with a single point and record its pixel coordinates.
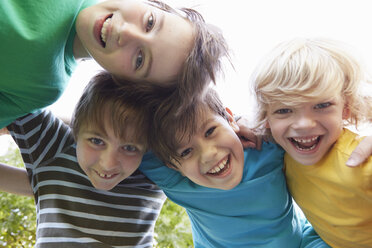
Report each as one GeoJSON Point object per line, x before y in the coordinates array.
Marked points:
{"type": "Point", "coordinates": [234, 197]}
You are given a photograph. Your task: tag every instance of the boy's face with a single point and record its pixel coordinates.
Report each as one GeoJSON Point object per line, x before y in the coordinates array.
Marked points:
{"type": "Point", "coordinates": [214, 156]}
{"type": "Point", "coordinates": [106, 159]}
{"type": "Point", "coordinates": [135, 40]}
{"type": "Point", "coordinates": [307, 131]}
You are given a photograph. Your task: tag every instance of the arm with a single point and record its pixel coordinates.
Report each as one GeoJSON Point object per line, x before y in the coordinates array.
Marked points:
{"type": "Point", "coordinates": [310, 239]}
{"type": "Point", "coordinates": [14, 180]}
{"type": "Point", "coordinates": [361, 152]}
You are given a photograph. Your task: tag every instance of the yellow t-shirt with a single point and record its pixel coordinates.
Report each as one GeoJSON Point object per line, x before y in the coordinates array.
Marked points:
{"type": "Point", "coordinates": [336, 199]}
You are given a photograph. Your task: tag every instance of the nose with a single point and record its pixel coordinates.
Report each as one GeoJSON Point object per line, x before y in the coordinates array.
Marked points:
{"type": "Point", "coordinates": [128, 33]}
{"type": "Point", "coordinates": [304, 121]}
{"type": "Point", "coordinates": [208, 153]}
{"type": "Point", "coordinates": [109, 160]}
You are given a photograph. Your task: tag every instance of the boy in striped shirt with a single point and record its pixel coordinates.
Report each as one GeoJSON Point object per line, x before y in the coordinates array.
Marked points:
{"type": "Point", "coordinates": [77, 177]}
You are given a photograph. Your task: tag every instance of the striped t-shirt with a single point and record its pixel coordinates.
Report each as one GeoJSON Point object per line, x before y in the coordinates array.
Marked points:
{"type": "Point", "coordinates": [70, 211]}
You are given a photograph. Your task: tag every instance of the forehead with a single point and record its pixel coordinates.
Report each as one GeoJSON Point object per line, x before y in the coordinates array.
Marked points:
{"type": "Point", "coordinates": [107, 130]}
{"type": "Point", "coordinates": [300, 101]}
{"type": "Point", "coordinates": [203, 120]}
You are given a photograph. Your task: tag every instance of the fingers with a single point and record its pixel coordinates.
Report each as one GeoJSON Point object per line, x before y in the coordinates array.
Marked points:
{"type": "Point", "coordinates": [247, 143]}
{"type": "Point", "coordinates": [361, 152]}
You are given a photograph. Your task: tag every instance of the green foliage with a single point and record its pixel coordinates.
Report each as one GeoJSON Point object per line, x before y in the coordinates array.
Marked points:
{"type": "Point", "coordinates": [17, 213]}
{"type": "Point", "coordinates": [18, 218]}
{"type": "Point", "coordinates": [173, 228]}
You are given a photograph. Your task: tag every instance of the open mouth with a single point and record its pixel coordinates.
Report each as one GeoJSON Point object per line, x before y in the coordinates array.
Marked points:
{"type": "Point", "coordinates": [305, 144]}
{"type": "Point", "coordinates": [101, 29]}
{"type": "Point", "coordinates": [104, 30]}
{"type": "Point", "coordinates": [105, 176]}
{"type": "Point", "coordinates": [222, 166]}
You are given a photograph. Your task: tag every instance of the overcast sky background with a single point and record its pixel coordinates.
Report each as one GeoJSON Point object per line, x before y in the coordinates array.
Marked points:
{"type": "Point", "coordinates": [252, 28]}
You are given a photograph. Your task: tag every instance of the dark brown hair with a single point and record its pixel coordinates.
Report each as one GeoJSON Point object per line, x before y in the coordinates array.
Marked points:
{"type": "Point", "coordinates": [104, 100]}
{"type": "Point", "coordinates": [170, 126]}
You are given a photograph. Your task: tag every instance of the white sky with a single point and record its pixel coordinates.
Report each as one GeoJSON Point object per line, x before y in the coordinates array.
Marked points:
{"type": "Point", "coordinates": [252, 28]}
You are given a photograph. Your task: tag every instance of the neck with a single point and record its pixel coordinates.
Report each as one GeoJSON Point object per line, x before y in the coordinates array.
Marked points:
{"type": "Point", "coordinates": [79, 50]}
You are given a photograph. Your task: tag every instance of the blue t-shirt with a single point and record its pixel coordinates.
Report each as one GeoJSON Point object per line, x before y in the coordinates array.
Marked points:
{"type": "Point", "coordinates": [257, 213]}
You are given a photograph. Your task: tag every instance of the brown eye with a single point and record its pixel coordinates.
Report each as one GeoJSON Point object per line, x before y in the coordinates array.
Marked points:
{"type": "Point", "coordinates": [150, 23]}
{"type": "Point", "coordinates": [186, 152]}
{"type": "Point", "coordinates": [139, 60]}
{"type": "Point", "coordinates": [130, 148]}
{"type": "Point", "coordinates": [209, 131]}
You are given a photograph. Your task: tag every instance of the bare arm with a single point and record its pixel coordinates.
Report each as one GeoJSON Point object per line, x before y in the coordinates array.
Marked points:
{"type": "Point", "coordinates": [14, 180]}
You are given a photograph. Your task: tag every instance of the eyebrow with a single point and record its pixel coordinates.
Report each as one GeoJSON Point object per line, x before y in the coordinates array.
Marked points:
{"type": "Point", "coordinates": [159, 28]}
{"type": "Point", "coordinates": [92, 132]}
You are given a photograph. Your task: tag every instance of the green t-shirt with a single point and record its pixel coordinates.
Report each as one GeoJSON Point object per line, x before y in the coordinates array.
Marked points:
{"type": "Point", "coordinates": [36, 58]}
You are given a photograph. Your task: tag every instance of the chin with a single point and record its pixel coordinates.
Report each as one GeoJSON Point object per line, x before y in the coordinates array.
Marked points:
{"type": "Point", "coordinates": [103, 187]}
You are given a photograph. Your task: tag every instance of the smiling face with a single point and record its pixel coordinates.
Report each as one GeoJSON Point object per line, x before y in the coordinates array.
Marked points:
{"type": "Point", "coordinates": [213, 157]}
{"type": "Point", "coordinates": [106, 159]}
{"type": "Point", "coordinates": [308, 130]}
{"type": "Point", "coordinates": [134, 40]}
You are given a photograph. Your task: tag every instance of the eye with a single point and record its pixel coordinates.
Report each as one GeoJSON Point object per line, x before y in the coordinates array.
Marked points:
{"type": "Point", "coordinates": [139, 60]}
{"type": "Point", "coordinates": [209, 131]}
{"type": "Point", "coordinates": [150, 23]}
{"type": "Point", "coordinates": [130, 148]}
{"type": "Point", "coordinates": [186, 152]}
{"type": "Point", "coordinates": [323, 105]}
{"type": "Point", "coordinates": [96, 141]}
{"type": "Point", "coordinates": [282, 111]}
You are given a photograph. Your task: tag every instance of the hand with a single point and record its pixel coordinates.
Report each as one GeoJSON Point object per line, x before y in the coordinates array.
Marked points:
{"type": "Point", "coordinates": [246, 135]}
{"type": "Point", "coordinates": [361, 152]}
{"type": "Point", "coordinates": [4, 130]}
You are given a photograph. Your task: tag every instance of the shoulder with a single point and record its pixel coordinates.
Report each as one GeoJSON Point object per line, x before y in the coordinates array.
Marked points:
{"type": "Point", "coordinates": [159, 173]}
{"type": "Point", "coordinates": [259, 163]}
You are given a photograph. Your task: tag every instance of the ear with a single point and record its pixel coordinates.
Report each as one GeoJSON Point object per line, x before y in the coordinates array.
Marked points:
{"type": "Point", "coordinates": [267, 125]}
{"type": "Point", "coordinates": [232, 121]}
{"type": "Point", "coordinates": [346, 112]}
{"type": "Point", "coordinates": [171, 166]}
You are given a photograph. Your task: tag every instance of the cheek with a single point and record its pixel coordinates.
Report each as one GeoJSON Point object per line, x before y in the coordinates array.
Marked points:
{"type": "Point", "coordinates": [274, 127]}
{"type": "Point", "coordinates": [277, 130]}
{"type": "Point", "coordinates": [83, 155]}
{"type": "Point", "coordinates": [118, 63]}
{"type": "Point", "coordinates": [187, 170]}
{"type": "Point", "coordinates": [131, 162]}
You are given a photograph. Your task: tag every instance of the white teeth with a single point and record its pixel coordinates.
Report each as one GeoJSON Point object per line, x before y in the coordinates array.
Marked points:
{"type": "Point", "coordinates": [104, 29]}
{"type": "Point", "coordinates": [219, 167]}
{"type": "Point", "coordinates": [306, 140]}
{"type": "Point", "coordinates": [105, 175]}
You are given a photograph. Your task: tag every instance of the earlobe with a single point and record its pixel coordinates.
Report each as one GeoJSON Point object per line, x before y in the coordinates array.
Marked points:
{"type": "Point", "coordinates": [232, 121]}
{"type": "Point", "coordinates": [267, 125]}
{"type": "Point", "coordinates": [171, 166]}
{"type": "Point", "coordinates": [346, 113]}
